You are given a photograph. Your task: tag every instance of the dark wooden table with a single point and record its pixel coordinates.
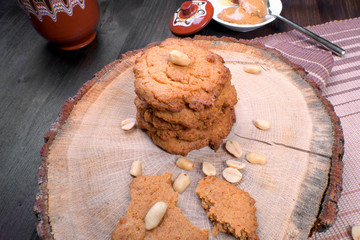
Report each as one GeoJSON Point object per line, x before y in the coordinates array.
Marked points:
{"type": "Point", "coordinates": [36, 79]}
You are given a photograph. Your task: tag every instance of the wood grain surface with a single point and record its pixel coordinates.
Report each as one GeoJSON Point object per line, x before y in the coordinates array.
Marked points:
{"type": "Point", "coordinates": [36, 79]}
{"type": "Point", "coordinates": [85, 174]}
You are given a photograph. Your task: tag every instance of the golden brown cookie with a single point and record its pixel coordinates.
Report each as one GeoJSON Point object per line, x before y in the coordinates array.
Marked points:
{"type": "Point", "coordinates": [182, 141]}
{"type": "Point", "coordinates": [230, 209]}
{"type": "Point", "coordinates": [145, 191]}
{"type": "Point", "coordinates": [167, 86]}
{"type": "Point", "coordinates": [187, 117]}
{"type": "Point", "coordinates": [218, 126]}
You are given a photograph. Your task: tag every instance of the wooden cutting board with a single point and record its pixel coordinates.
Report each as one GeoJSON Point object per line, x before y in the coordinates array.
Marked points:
{"type": "Point", "coordinates": [84, 177]}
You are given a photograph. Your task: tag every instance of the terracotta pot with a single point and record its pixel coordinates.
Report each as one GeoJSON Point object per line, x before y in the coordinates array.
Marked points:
{"type": "Point", "coordinates": [69, 24]}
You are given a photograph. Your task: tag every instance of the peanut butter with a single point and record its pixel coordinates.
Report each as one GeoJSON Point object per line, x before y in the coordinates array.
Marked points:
{"type": "Point", "coordinates": [248, 12]}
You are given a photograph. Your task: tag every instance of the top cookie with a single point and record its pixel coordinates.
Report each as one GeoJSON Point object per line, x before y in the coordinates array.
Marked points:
{"type": "Point", "coordinates": [167, 86]}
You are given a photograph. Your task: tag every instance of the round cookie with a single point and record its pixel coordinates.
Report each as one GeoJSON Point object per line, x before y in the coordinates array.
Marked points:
{"type": "Point", "coordinates": [167, 86]}
{"type": "Point", "coordinates": [184, 140]}
{"type": "Point", "coordinates": [187, 117]}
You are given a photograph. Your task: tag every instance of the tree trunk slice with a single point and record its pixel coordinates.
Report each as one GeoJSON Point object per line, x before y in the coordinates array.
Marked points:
{"type": "Point", "coordinates": [84, 178]}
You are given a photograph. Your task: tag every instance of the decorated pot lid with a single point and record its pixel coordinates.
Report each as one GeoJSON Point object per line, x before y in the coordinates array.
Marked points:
{"type": "Point", "coordinates": [191, 17]}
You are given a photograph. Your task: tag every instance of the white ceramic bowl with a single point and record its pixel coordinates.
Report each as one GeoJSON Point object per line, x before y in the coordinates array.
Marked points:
{"type": "Point", "coordinates": [219, 5]}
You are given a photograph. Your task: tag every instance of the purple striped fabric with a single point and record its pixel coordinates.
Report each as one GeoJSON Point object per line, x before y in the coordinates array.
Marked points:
{"type": "Point", "coordinates": [339, 80]}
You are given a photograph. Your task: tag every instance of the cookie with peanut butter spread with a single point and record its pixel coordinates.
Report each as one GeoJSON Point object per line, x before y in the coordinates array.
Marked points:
{"type": "Point", "coordinates": [230, 209]}
{"type": "Point", "coordinates": [145, 191]}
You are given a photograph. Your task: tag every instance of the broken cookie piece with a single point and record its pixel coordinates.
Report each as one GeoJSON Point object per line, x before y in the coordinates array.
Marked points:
{"type": "Point", "coordinates": [145, 191]}
{"type": "Point", "coordinates": [230, 209]}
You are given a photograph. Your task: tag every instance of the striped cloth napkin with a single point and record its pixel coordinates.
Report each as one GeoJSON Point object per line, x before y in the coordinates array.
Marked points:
{"type": "Point", "coordinates": [338, 78]}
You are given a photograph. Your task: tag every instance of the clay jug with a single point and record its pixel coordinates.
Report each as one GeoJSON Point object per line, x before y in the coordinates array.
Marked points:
{"type": "Point", "coordinates": [69, 24]}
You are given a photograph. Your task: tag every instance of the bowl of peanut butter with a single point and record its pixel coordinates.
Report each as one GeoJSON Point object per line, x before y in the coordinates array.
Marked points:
{"type": "Point", "coordinates": [244, 15]}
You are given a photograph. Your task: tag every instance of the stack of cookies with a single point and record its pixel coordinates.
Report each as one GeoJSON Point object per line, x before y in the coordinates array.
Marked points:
{"type": "Point", "coordinates": [185, 99]}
